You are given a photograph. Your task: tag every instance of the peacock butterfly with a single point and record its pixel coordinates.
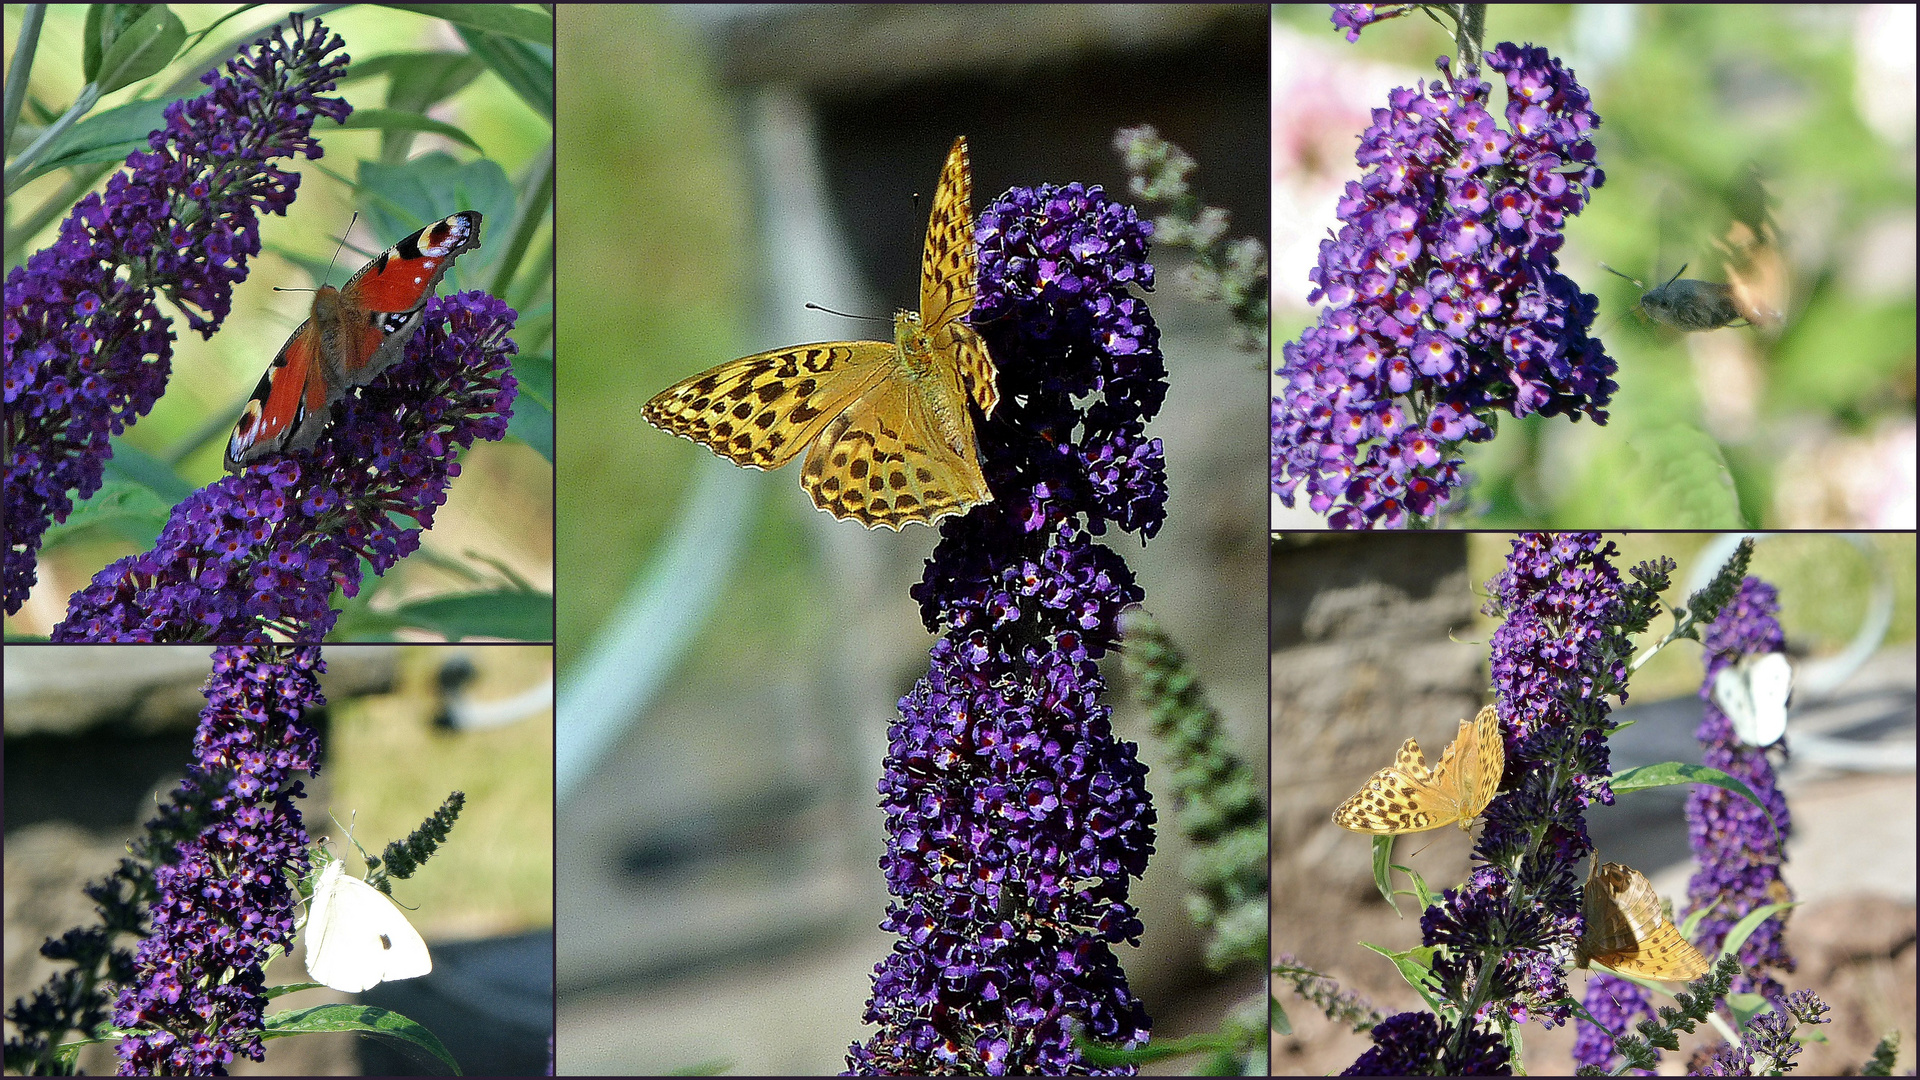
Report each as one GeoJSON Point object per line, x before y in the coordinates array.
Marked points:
{"type": "Point", "coordinates": [354, 333]}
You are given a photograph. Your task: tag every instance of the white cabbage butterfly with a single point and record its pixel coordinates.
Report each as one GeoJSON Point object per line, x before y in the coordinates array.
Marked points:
{"type": "Point", "coordinates": [1753, 693]}
{"type": "Point", "coordinates": [357, 938]}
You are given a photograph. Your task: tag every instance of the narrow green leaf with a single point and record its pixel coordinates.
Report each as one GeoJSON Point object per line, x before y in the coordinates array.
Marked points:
{"type": "Point", "coordinates": [521, 616]}
{"type": "Point", "coordinates": [1416, 966]}
{"type": "Point", "coordinates": [1383, 868]}
{"type": "Point", "coordinates": [398, 120]}
{"type": "Point", "coordinates": [535, 27]}
{"type": "Point", "coordinates": [143, 49]}
{"type": "Point", "coordinates": [1674, 773]}
{"type": "Point", "coordinates": [1744, 929]}
{"type": "Point", "coordinates": [526, 68]}
{"type": "Point", "coordinates": [107, 136]}
{"type": "Point", "coordinates": [367, 1020]}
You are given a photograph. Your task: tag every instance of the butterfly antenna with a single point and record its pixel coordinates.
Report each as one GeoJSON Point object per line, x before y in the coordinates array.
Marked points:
{"type": "Point", "coordinates": [1617, 273]}
{"type": "Point", "coordinates": [844, 315]}
{"type": "Point", "coordinates": [343, 242]}
{"type": "Point", "coordinates": [1676, 275]}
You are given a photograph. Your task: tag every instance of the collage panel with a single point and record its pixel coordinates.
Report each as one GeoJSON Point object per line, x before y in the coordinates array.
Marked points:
{"type": "Point", "coordinates": [1645, 267]}
{"type": "Point", "coordinates": [1741, 824]}
{"type": "Point", "coordinates": [222, 847]}
{"type": "Point", "coordinates": [838, 789]}
{"type": "Point", "coordinates": [330, 237]}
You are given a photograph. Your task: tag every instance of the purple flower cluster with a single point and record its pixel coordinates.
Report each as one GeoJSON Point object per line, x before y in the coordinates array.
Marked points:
{"type": "Point", "coordinates": [224, 897]}
{"type": "Point", "coordinates": [1618, 1005]}
{"type": "Point", "coordinates": [1445, 301]}
{"type": "Point", "coordinates": [262, 551]}
{"type": "Point", "coordinates": [1561, 650]}
{"type": "Point", "coordinates": [1414, 1044]}
{"type": "Point", "coordinates": [87, 350]}
{"type": "Point", "coordinates": [1736, 846]}
{"type": "Point", "coordinates": [1352, 17]}
{"type": "Point", "coordinates": [1015, 818]}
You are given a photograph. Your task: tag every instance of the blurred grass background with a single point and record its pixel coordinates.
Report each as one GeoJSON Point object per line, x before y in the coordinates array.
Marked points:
{"type": "Point", "coordinates": [1812, 428]}
{"type": "Point", "coordinates": [501, 505]}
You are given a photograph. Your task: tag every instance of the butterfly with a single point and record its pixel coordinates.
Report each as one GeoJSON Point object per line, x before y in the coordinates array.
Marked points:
{"type": "Point", "coordinates": [886, 424]}
{"type": "Point", "coordinates": [357, 938]}
{"type": "Point", "coordinates": [1407, 797]}
{"type": "Point", "coordinates": [354, 333]}
{"type": "Point", "coordinates": [1627, 931]}
{"type": "Point", "coordinates": [1753, 693]}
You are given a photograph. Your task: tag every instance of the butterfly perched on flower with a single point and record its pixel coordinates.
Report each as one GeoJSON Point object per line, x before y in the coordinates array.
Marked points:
{"type": "Point", "coordinates": [1627, 931]}
{"type": "Point", "coordinates": [887, 425]}
{"type": "Point", "coordinates": [1408, 797]}
{"type": "Point", "coordinates": [353, 334]}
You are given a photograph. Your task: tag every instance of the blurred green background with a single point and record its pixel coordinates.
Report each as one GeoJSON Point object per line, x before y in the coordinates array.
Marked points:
{"type": "Point", "coordinates": [1824, 584]}
{"type": "Point", "coordinates": [719, 894]}
{"type": "Point", "coordinates": [496, 525]}
{"type": "Point", "coordinates": [1812, 427]}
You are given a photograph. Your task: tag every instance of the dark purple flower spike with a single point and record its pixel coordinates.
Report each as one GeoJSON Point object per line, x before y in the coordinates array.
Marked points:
{"type": "Point", "coordinates": [1015, 818]}
{"type": "Point", "coordinates": [224, 895]}
{"type": "Point", "coordinates": [87, 350]}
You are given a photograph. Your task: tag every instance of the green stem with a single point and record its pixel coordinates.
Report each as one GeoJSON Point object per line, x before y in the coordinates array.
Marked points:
{"type": "Point", "coordinates": [20, 166]}
{"type": "Point", "coordinates": [23, 53]}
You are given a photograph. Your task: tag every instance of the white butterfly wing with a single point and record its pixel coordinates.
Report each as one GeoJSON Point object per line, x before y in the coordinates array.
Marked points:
{"type": "Point", "coordinates": [1753, 693]}
{"type": "Point", "coordinates": [357, 938]}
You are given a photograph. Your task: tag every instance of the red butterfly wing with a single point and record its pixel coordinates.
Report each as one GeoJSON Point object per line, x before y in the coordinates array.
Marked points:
{"type": "Point", "coordinates": [288, 407]}
{"type": "Point", "coordinates": [352, 335]}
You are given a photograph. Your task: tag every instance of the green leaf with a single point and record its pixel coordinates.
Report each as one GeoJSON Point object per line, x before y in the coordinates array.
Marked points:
{"type": "Point", "coordinates": [525, 67]}
{"type": "Point", "coordinates": [1277, 1016]}
{"type": "Point", "coordinates": [417, 80]}
{"type": "Point", "coordinates": [1416, 966]}
{"type": "Point", "coordinates": [531, 26]}
{"type": "Point", "coordinates": [521, 616]}
{"type": "Point", "coordinates": [1673, 773]}
{"type": "Point", "coordinates": [120, 508]}
{"type": "Point", "coordinates": [142, 49]}
{"type": "Point", "coordinates": [1745, 1007]}
{"type": "Point", "coordinates": [365, 1019]}
{"type": "Point", "coordinates": [1422, 892]}
{"type": "Point", "coordinates": [131, 463]}
{"type": "Point", "coordinates": [532, 421]}
{"type": "Point", "coordinates": [1668, 475]}
{"type": "Point", "coordinates": [107, 136]}
{"type": "Point", "coordinates": [1744, 929]}
{"type": "Point", "coordinates": [1383, 868]}
{"type": "Point", "coordinates": [105, 23]}
{"type": "Point", "coordinates": [398, 120]}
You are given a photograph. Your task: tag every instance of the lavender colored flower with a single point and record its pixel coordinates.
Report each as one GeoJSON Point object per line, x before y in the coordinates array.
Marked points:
{"type": "Point", "coordinates": [87, 350]}
{"type": "Point", "coordinates": [1445, 302]}
{"type": "Point", "coordinates": [1352, 17]}
{"type": "Point", "coordinates": [224, 896]}
{"type": "Point", "coordinates": [1734, 842]}
{"type": "Point", "coordinates": [1014, 816]}
{"type": "Point", "coordinates": [1618, 1005]}
{"type": "Point", "coordinates": [261, 552]}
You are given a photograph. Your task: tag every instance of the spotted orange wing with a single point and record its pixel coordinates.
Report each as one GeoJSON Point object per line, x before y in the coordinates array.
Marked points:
{"type": "Point", "coordinates": [1408, 797]}
{"type": "Point", "coordinates": [888, 427]}
{"type": "Point", "coordinates": [1627, 931]}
